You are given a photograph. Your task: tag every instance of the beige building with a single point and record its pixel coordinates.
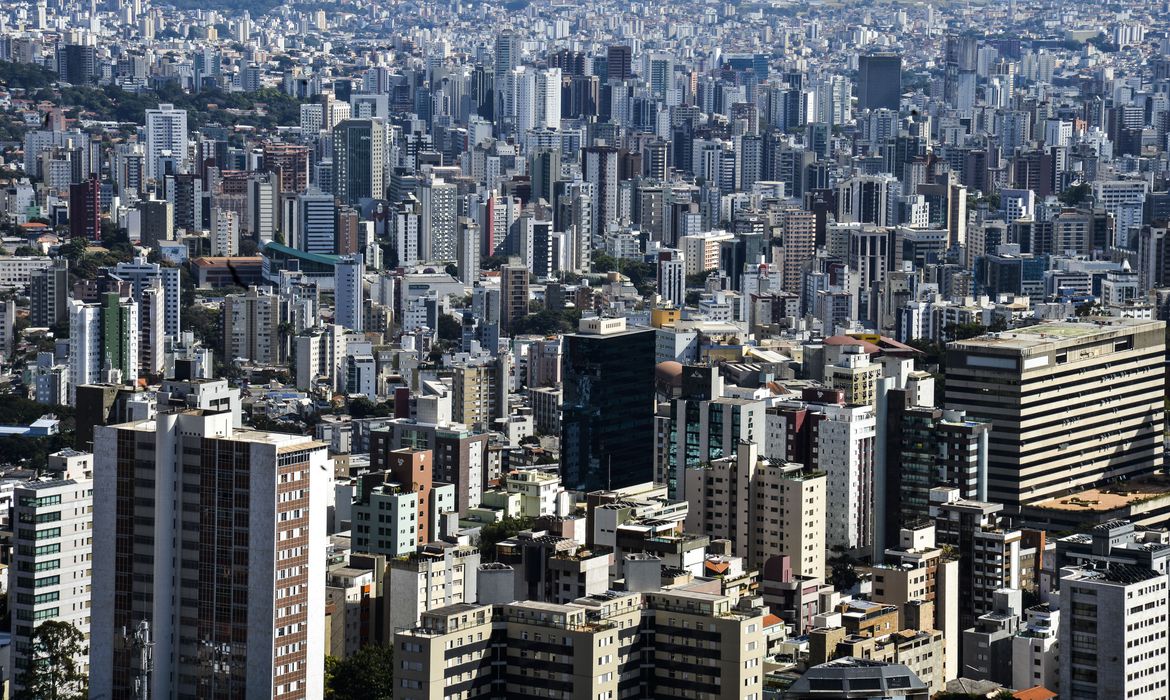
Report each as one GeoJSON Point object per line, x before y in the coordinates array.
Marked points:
{"type": "Point", "coordinates": [704, 645]}
{"type": "Point", "coordinates": [436, 576]}
{"type": "Point", "coordinates": [251, 327]}
{"type": "Point", "coordinates": [766, 508]}
{"type": "Point", "coordinates": [1072, 404]}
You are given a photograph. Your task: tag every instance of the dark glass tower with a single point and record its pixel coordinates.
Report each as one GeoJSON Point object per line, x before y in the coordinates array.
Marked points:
{"type": "Point", "coordinates": [879, 81]}
{"type": "Point", "coordinates": [607, 426]}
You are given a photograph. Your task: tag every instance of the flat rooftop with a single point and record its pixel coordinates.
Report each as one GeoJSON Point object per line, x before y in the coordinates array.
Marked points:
{"type": "Point", "coordinates": [1108, 498]}
{"type": "Point", "coordinates": [1056, 332]}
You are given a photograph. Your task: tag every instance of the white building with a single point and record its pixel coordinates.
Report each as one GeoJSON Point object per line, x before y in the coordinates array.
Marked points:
{"type": "Point", "coordinates": [1116, 643]}
{"type": "Point", "coordinates": [166, 138]}
{"type": "Point", "coordinates": [349, 293]}
{"type": "Point", "coordinates": [49, 576]}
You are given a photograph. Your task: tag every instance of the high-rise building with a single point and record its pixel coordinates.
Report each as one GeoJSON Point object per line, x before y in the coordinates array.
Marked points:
{"type": "Point", "coordinates": [52, 538]}
{"type": "Point", "coordinates": [226, 575]}
{"type": "Point", "coordinates": [142, 274]}
{"type": "Point", "coordinates": [601, 171]}
{"type": "Point", "coordinates": [513, 294]}
{"type": "Point", "coordinates": [349, 292]}
{"type": "Point", "coordinates": [1114, 642]}
{"type": "Point", "coordinates": [166, 141]}
{"type": "Point", "coordinates": [290, 162]}
{"type": "Point", "coordinates": [765, 508]}
{"type": "Point", "coordinates": [439, 213]}
{"type": "Point", "coordinates": [879, 81]}
{"type": "Point", "coordinates": [704, 425]}
{"type": "Point", "coordinates": [314, 223]}
{"type": "Point", "coordinates": [251, 327]}
{"type": "Point", "coordinates": [989, 551]}
{"type": "Point", "coordinates": [821, 431]}
{"type": "Point", "coordinates": [927, 447]}
{"type": "Point", "coordinates": [607, 423]}
{"type": "Point", "coordinates": [77, 64]}
{"type": "Point", "coordinates": [48, 294]}
{"type": "Point", "coordinates": [358, 148]}
{"type": "Point", "coordinates": [85, 209]}
{"type": "Point", "coordinates": [1071, 404]}
{"type": "Point", "coordinates": [392, 510]}
{"type": "Point", "coordinates": [102, 337]}
{"type": "Point", "coordinates": [618, 62]}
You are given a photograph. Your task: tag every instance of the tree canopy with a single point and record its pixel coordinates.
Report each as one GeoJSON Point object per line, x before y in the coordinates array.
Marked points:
{"type": "Point", "coordinates": [367, 675]}
{"type": "Point", "coordinates": [54, 672]}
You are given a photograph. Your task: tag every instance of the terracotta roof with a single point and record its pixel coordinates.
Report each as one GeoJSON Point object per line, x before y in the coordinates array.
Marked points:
{"type": "Point", "coordinates": [1037, 693]}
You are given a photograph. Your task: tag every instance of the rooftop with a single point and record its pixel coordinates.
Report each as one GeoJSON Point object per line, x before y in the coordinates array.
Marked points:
{"type": "Point", "coordinates": [1108, 498]}
{"type": "Point", "coordinates": [1056, 332]}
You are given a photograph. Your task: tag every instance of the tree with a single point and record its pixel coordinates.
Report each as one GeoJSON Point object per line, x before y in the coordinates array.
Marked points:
{"type": "Point", "coordinates": [1076, 194]}
{"type": "Point", "coordinates": [206, 323]}
{"type": "Point", "coordinates": [449, 329]}
{"type": "Point", "coordinates": [699, 279]}
{"type": "Point", "coordinates": [493, 533]}
{"type": "Point", "coordinates": [367, 675]}
{"type": "Point", "coordinates": [53, 672]}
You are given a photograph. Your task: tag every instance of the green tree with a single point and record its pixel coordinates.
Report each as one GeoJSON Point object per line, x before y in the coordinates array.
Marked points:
{"type": "Point", "coordinates": [207, 324]}
{"type": "Point", "coordinates": [699, 279]}
{"type": "Point", "coordinates": [449, 328]}
{"type": "Point", "coordinates": [494, 533]}
{"type": "Point", "coordinates": [53, 672]}
{"type": "Point", "coordinates": [367, 675]}
{"type": "Point", "coordinates": [1075, 194]}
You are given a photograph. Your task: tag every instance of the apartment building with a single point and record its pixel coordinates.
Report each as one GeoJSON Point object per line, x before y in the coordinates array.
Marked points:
{"type": "Point", "coordinates": [210, 533]}
{"type": "Point", "coordinates": [1117, 644]}
{"type": "Point", "coordinates": [51, 567]}
{"type": "Point", "coordinates": [764, 508]}
{"type": "Point", "coordinates": [437, 575]}
{"type": "Point", "coordinates": [988, 550]}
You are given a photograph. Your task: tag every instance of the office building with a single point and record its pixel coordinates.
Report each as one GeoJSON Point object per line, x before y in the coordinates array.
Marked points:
{"type": "Point", "coordinates": [1071, 404]}
{"type": "Point", "coordinates": [229, 576]}
{"type": "Point", "coordinates": [358, 146]}
{"type": "Point", "coordinates": [607, 422]}
{"type": "Point", "coordinates": [879, 81]}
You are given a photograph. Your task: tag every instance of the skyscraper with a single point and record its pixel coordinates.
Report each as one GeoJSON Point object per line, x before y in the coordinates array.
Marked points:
{"type": "Point", "coordinates": [85, 209]}
{"type": "Point", "coordinates": [102, 336]}
{"type": "Point", "coordinates": [513, 294]}
{"type": "Point", "coordinates": [225, 574]}
{"type": "Point", "coordinates": [358, 147]}
{"type": "Point", "coordinates": [879, 81]}
{"type": "Point", "coordinates": [350, 274]}
{"type": "Point", "coordinates": [618, 62]}
{"type": "Point", "coordinates": [607, 428]}
{"type": "Point", "coordinates": [166, 138]}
